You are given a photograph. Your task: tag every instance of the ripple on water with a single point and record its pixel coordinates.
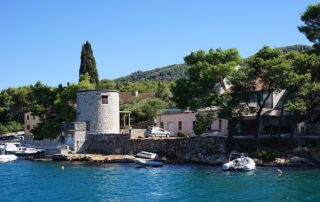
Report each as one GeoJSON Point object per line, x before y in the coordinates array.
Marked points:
{"type": "Point", "coordinates": [45, 181]}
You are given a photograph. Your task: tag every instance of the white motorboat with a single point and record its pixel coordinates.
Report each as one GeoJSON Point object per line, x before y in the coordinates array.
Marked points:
{"type": "Point", "coordinates": [6, 157]}
{"type": "Point", "coordinates": [16, 148]}
{"type": "Point", "coordinates": [147, 155]}
{"type": "Point", "coordinates": [239, 162]}
{"type": "Point", "coordinates": [148, 163]}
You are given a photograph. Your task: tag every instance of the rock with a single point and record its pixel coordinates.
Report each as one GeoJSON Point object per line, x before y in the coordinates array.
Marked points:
{"type": "Point", "coordinates": [258, 161]}
{"type": "Point", "coordinates": [280, 161]}
{"type": "Point", "coordinates": [221, 159]}
{"type": "Point", "coordinates": [164, 159]}
{"type": "Point", "coordinates": [304, 152]}
{"type": "Point", "coordinates": [300, 160]}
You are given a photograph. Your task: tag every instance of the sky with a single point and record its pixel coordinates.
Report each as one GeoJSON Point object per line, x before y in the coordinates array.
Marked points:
{"type": "Point", "coordinates": [42, 40]}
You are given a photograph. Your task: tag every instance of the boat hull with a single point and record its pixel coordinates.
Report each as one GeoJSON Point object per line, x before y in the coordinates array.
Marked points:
{"type": "Point", "coordinates": [7, 157]}
{"type": "Point", "coordinates": [148, 163]}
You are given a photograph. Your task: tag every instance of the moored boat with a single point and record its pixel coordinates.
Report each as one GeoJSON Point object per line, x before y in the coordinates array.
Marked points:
{"type": "Point", "coordinates": [147, 155]}
{"type": "Point", "coordinates": [6, 157]}
{"type": "Point", "coordinates": [239, 162]}
{"type": "Point", "coordinates": [17, 149]}
{"type": "Point", "coordinates": [149, 163]}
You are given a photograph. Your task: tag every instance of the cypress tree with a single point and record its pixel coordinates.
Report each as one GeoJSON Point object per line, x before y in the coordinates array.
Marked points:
{"type": "Point", "coordinates": [88, 64]}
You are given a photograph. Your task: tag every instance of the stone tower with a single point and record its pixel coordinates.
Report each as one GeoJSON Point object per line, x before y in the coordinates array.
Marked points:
{"type": "Point", "coordinates": [100, 110]}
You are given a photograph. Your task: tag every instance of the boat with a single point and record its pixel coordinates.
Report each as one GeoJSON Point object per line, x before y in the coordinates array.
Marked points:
{"type": "Point", "coordinates": [148, 163]}
{"type": "Point", "coordinates": [16, 148]}
{"type": "Point", "coordinates": [239, 162]}
{"type": "Point", "coordinates": [147, 155]}
{"type": "Point", "coordinates": [6, 157]}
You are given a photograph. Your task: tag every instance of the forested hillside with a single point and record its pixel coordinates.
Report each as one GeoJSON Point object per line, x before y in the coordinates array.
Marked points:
{"type": "Point", "coordinates": [168, 73]}
{"type": "Point", "coordinates": [299, 48]}
{"type": "Point", "coordinates": [173, 72]}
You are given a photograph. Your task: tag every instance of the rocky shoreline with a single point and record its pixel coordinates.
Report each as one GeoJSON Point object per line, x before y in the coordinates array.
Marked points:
{"type": "Point", "coordinates": [294, 161]}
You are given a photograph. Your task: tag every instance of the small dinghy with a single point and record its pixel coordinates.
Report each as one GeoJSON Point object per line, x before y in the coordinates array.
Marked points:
{"type": "Point", "coordinates": [239, 162]}
{"type": "Point", "coordinates": [148, 163]}
{"type": "Point", "coordinates": [6, 157]}
{"type": "Point", "coordinates": [147, 155]}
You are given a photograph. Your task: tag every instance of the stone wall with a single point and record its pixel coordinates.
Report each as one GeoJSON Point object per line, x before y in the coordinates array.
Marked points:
{"type": "Point", "coordinates": [137, 133]}
{"type": "Point", "coordinates": [206, 150]}
{"type": "Point", "coordinates": [107, 143]}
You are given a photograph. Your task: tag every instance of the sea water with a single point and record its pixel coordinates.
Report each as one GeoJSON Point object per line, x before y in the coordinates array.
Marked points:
{"type": "Point", "coordinates": [46, 181]}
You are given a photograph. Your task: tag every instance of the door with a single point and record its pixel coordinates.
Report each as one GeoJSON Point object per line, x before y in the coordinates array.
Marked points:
{"type": "Point", "coordinates": [69, 140]}
{"type": "Point", "coordinates": [171, 127]}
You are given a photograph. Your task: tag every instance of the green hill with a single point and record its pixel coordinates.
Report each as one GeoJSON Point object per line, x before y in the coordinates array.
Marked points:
{"type": "Point", "coordinates": [169, 73]}
{"type": "Point", "coordinates": [173, 72]}
{"type": "Point", "coordinates": [299, 48]}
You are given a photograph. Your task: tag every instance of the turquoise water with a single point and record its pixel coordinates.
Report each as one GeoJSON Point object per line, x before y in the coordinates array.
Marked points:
{"type": "Point", "coordinates": [45, 181]}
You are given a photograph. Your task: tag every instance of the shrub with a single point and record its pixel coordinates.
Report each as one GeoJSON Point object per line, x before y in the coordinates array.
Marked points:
{"type": "Point", "coordinates": [182, 134]}
{"type": "Point", "coordinates": [266, 156]}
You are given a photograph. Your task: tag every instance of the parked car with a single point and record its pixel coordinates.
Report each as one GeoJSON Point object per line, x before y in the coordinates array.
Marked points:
{"type": "Point", "coordinates": [156, 131]}
{"type": "Point", "coordinates": [212, 133]}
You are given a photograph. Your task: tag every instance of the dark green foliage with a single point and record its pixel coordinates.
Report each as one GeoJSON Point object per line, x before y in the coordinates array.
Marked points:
{"type": "Point", "coordinates": [265, 156]}
{"type": "Point", "coordinates": [49, 129]}
{"type": "Point", "coordinates": [43, 100]}
{"type": "Point", "coordinates": [141, 86]}
{"type": "Point", "coordinates": [203, 122]}
{"type": "Point", "coordinates": [62, 110]}
{"type": "Point", "coordinates": [52, 105]}
{"type": "Point", "coordinates": [168, 74]}
{"type": "Point", "coordinates": [163, 92]}
{"type": "Point", "coordinates": [106, 84]}
{"type": "Point", "coordinates": [207, 72]}
{"type": "Point", "coordinates": [182, 134]}
{"type": "Point", "coordinates": [311, 27]}
{"type": "Point", "coordinates": [143, 110]}
{"type": "Point", "coordinates": [14, 102]}
{"type": "Point", "coordinates": [3, 129]}
{"type": "Point", "coordinates": [11, 126]}
{"type": "Point", "coordinates": [88, 64]}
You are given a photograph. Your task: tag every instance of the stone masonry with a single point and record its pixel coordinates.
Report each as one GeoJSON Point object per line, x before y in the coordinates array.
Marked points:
{"type": "Point", "coordinates": [205, 150]}
{"type": "Point", "coordinates": [100, 110]}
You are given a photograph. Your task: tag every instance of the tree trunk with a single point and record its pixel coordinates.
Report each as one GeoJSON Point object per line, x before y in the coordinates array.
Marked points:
{"type": "Point", "coordinates": [281, 115]}
{"type": "Point", "coordinates": [258, 117]}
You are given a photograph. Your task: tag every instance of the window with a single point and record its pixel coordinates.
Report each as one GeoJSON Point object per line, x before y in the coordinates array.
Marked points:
{"type": "Point", "coordinates": [180, 125]}
{"type": "Point", "coordinates": [27, 117]}
{"type": "Point", "coordinates": [220, 124]}
{"type": "Point", "coordinates": [28, 127]}
{"type": "Point", "coordinates": [104, 99]}
{"type": "Point", "coordinates": [161, 124]}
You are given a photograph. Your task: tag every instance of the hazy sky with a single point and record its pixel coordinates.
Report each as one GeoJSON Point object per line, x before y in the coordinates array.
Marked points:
{"type": "Point", "coordinates": [41, 40]}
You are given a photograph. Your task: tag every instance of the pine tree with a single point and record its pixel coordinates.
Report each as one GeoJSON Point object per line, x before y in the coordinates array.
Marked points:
{"type": "Point", "coordinates": [88, 64]}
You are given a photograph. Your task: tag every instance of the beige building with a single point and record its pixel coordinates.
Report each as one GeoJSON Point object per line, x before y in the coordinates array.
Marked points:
{"type": "Point", "coordinates": [30, 122]}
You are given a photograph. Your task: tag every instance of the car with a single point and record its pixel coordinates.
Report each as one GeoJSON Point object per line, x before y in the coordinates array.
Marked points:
{"type": "Point", "coordinates": [212, 133]}
{"type": "Point", "coordinates": [156, 132]}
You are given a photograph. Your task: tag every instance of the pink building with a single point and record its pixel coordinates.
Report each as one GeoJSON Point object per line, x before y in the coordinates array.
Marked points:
{"type": "Point", "coordinates": [185, 122]}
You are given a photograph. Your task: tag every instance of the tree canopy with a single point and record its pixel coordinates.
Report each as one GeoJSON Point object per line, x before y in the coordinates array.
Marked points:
{"type": "Point", "coordinates": [311, 27]}
{"type": "Point", "coordinates": [208, 74]}
{"type": "Point", "coordinates": [88, 64]}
